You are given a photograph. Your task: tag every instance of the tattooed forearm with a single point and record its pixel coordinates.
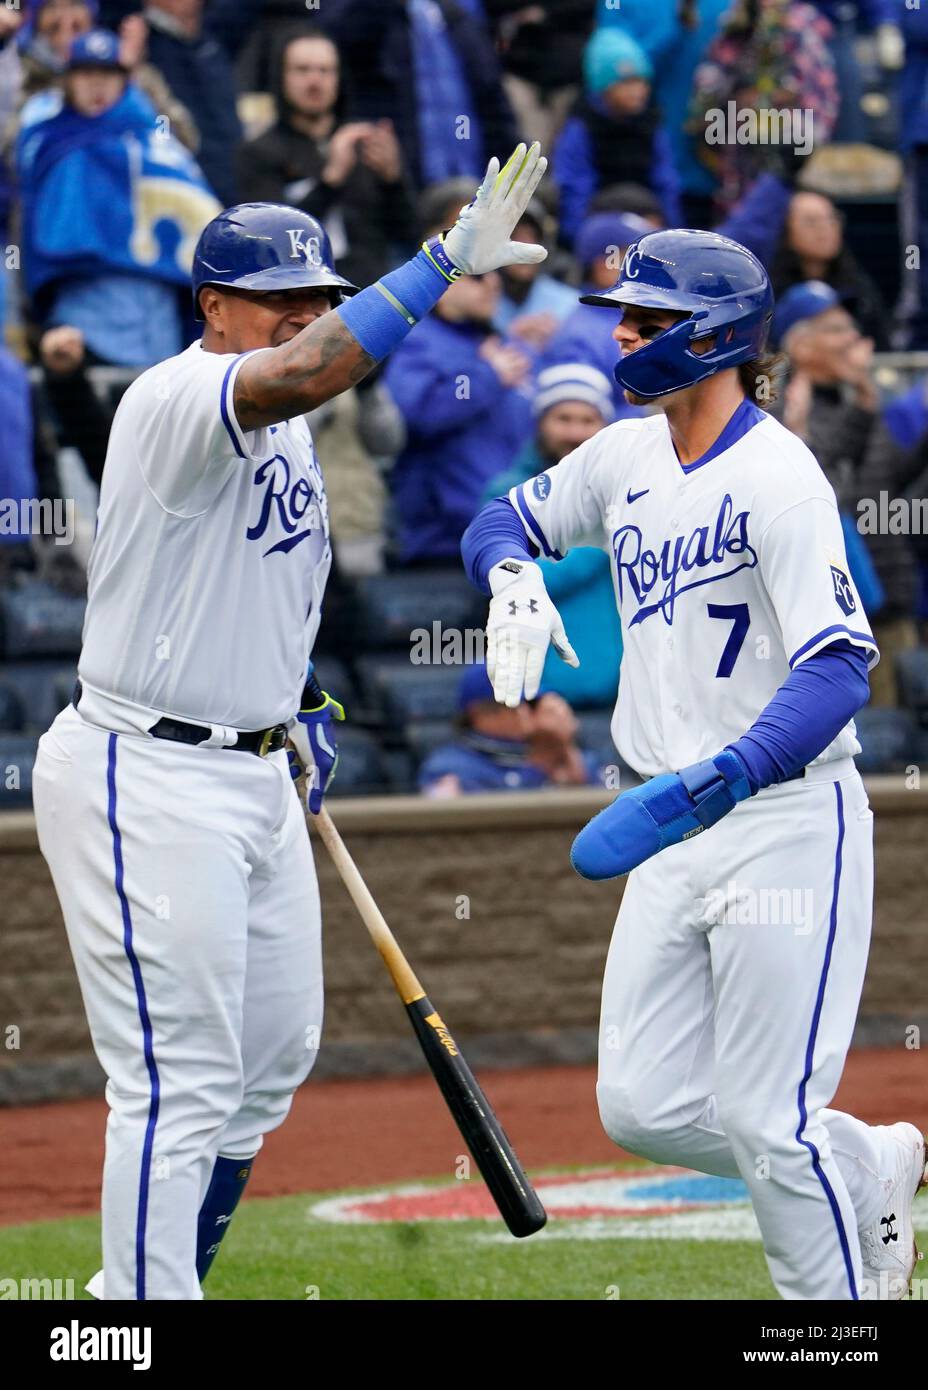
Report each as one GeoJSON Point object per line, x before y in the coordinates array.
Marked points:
{"type": "Point", "coordinates": [319, 363]}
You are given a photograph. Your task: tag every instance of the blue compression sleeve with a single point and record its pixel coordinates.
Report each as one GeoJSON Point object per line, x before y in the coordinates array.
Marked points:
{"type": "Point", "coordinates": [494, 534]}
{"type": "Point", "coordinates": [381, 316]}
{"type": "Point", "coordinates": [810, 708]}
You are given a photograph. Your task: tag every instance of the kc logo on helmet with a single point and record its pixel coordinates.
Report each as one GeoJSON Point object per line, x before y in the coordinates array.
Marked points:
{"type": "Point", "coordinates": [630, 267]}
{"type": "Point", "coordinates": [308, 249]}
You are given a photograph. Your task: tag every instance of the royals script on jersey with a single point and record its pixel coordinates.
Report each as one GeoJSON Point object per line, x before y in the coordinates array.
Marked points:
{"type": "Point", "coordinates": [727, 574]}
{"type": "Point", "coordinates": [212, 551]}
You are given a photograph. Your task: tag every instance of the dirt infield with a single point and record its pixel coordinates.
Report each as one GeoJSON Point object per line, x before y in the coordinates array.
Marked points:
{"type": "Point", "coordinates": [363, 1133]}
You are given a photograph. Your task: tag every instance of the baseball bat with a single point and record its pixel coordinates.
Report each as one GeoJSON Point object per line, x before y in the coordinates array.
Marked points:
{"type": "Point", "coordinates": [482, 1132]}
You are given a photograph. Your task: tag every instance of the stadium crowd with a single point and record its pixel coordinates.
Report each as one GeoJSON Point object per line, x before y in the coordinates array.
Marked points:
{"type": "Point", "coordinates": [798, 127]}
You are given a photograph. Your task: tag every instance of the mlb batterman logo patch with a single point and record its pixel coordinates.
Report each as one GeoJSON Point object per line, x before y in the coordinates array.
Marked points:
{"type": "Point", "coordinates": [844, 594]}
{"type": "Point", "coordinates": [541, 486]}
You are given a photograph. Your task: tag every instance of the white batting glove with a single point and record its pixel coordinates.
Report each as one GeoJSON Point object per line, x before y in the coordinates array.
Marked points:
{"type": "Point", "coordinates": [521, 623]}
{"type": "Point", "coordinates": [480, 239]}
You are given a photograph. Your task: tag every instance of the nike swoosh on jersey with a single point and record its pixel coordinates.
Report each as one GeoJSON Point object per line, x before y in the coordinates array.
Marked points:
{"type": "Point", "coordinates": [633, 496]}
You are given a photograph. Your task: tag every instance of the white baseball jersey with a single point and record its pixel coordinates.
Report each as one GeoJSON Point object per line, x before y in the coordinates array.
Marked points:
{"type": "Point", "coordinates": [212, 551]}
{"type": "Point", "coordinates": [728, 573]}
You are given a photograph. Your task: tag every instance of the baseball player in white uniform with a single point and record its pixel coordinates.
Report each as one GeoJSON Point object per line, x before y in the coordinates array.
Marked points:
{"type": "Point", "coordinates": [736, 966]}
{"type": "Point", "coordinates": [163, 797]}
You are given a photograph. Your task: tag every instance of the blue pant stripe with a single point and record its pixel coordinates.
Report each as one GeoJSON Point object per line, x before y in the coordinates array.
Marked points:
{"type": "Point", "coordinates": [145, 1174]}
{"type": "Point", "coordinates": [810, 1049]}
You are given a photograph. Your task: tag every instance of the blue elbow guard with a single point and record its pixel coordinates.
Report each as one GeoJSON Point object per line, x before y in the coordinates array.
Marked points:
{"type": "Point", "coordinates": [665, 811]}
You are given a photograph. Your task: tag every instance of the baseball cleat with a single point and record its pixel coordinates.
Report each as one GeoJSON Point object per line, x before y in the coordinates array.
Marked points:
{"type": "Point", "coordinates": [887, 1245]}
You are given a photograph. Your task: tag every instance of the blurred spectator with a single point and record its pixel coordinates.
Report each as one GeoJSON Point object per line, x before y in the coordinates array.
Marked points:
{"type": "Point", "coordinates": [17, 472]}
{"type": "Point", "coordinates": [831, 401]}
{"type": "Point", "coordinates": [46, 37]}
{"type": "Point", "coordinates": [533, 302]}
{"type": "Point", "coordinates": [347, 173]}
{"type": "Point", "coordinates": [907, 415]}
{"type": "Point", "coordinates": [430, 67]}
{"type": "Point", "coordinates": [675, 35]}
{"type": "Point", "coordinates": [361, 432]}
{"type": "Point", "coordinates": [11, 23]}
{"type": "Point", "coordinates": [112, 207]}
{"type": "Point", "coordinates": [629, 197]}
{"type": "Point", "coordinates": [812, 247]}
{"type": "Point", "coordinates": [913, 103]}
{"type": "Point", "coordinates": [10, 82]}
{"type": "Point", "coordinates": [46, 40]}
{"type": "Point", "coordinates": [502, 749]}
{"type": "Point", "coordinates": [28, 474]}
{"type": "Point", "coordinates": [613, 133]}
{"type": "Point", "coordinates": [585, 335]}
{"type": "Point", "coordinates": [770, 59]}
{"type": "Point", "coordinates": [194, 47]}
{"type": "Point", "coordinates": [82, 421]}
{"type": "Point", "coordinates": [572, 403]}
{"type": "Point", "coordinates": [541, 50]}
{"type": "Point", "coordinates": [848, 18]}
{"type": "Point", "coordinates": [464, 394]}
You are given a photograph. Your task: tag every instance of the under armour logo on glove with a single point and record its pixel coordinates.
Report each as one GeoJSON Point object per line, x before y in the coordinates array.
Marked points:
{"type": "Point", "coordinates": [530, 607]}
{"type": "Point", "coordinates": [887, 1221]}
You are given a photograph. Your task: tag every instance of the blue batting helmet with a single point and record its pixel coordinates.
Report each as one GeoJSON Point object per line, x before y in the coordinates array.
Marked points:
{"type": "Point", "coordinates": [724, 291]}
{"type": "Point", "coordinates": [265, 246]}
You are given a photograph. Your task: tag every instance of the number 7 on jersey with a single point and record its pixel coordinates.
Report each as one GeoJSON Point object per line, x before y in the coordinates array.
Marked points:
{"type": "Point", "coordinates": [737, 614]}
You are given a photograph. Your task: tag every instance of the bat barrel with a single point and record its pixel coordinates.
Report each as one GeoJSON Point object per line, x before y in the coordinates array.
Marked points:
{"type": "Point", "coordinates": [518, 1203]}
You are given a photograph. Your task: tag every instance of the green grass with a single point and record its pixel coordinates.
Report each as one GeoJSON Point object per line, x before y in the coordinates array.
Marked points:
{"type": "Point", "coordinates": [276, 1250]}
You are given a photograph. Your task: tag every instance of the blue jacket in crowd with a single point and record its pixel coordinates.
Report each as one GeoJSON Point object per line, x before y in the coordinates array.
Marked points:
{"type": "Point", "coordinates": [578, 175]}
{"type": "Point", "coordinates": [376, 42]}
{"type": "Point", "coordinates": [201, 74]}
{"type": "Point", "coordinates": [675, 53]}
{"type": "Point", "coordinates": [17, 472]}
{"type": "Point", "coordinates": [913, 80]}
{"type": "Point", "coordinates": [464, 426]}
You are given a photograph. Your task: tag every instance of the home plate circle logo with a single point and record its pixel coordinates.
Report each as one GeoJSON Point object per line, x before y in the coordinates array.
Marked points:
{"type": "Point", "coordinates": [618, 1196]}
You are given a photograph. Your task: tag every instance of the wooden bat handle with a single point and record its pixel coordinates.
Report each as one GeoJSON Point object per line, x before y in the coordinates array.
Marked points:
{"type": "Point", "coordinates": [407, 985]}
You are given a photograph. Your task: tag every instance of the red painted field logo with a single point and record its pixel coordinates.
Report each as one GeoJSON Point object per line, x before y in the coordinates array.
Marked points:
{"type": "Point", "coordinates": [616, 1193]}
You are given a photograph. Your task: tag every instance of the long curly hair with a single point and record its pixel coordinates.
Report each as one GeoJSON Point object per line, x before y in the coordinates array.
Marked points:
{"type": "Point", "coordinates": [760, 378]}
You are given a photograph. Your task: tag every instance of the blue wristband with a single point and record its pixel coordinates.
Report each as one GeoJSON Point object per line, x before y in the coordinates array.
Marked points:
{"type": "Point", "coordinates": [435, 250]}
{"type": "Point", "coordinates": [381, 316]}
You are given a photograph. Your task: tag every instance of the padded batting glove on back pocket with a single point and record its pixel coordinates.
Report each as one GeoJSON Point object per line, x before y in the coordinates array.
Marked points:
{"type": "Point", "coordinates": [314, 738]}
{"type": "Point", "coordinates": [665, 811]}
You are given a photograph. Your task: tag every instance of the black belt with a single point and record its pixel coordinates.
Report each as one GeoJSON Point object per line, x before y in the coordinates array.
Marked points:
{"type": "Point", "coordinates": [258, 741]}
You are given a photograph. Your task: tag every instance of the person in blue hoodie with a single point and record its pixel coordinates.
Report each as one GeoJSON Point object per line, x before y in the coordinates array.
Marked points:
{"type": "Point", "coordinates": [464, 393]}
{"type": "Point", "coordinates": [111, 207]}
{"type": "Point", "coordinates": [573, 402]}
{"type": "Point", "coordinates": [614, 133]}
{"type": "Point", "coordinates": [675, 35]}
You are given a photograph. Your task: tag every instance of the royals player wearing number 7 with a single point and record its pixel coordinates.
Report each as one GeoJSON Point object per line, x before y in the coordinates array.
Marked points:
{"type": "Point", "coordinates": [163, 799]}
{"type": "Point", "coordinates": [738, 957]}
